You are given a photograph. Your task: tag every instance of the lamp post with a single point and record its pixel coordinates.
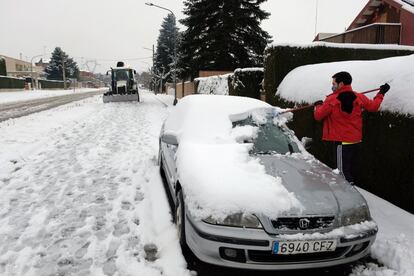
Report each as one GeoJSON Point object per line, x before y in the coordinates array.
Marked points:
{"type": "Point", "coordinates": [153, 64]}
{"type": "Point", "coordinates": [175, 49]}
{"type": "Point", "coordinates": [31, 68]}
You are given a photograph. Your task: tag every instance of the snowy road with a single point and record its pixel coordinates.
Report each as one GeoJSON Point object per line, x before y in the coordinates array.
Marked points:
{"type": "Point", "coordinates": [81, 193]}
{"type": "Point", "coordinates": [23, 108]}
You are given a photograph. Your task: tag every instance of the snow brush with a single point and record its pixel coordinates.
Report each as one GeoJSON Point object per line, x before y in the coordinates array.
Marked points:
{"type": "Point", "coordinates": [311, 105]}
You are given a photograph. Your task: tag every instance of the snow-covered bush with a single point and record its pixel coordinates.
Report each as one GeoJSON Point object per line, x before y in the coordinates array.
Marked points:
{"type": "Point", "coordinates": [247, 82]}
{"type": "Point", "coordinates": [385, 163]}
{"type": "Point", "coordinates": [280, 59]}
{"type": "Point", "coordinates": [217, 85]}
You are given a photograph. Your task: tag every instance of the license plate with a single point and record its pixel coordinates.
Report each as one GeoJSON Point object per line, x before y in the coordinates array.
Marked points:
{"type": "Point", "coordinates": [303, 247]}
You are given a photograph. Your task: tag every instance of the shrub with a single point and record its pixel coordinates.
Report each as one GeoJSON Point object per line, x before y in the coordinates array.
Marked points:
{"type": "Point", "coordinates": [247, 82]}
{"type": "Point", "coordinates": [281, 59]}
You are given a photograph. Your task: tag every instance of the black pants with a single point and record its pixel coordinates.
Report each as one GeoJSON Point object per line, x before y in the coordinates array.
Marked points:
{"type": "Point", "coordinates": [345, 157]}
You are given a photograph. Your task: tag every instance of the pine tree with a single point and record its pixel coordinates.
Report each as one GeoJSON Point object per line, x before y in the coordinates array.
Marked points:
{"type": "Point", "coordinates": [222, 35]}
{"type": "Point", "coordinates": [54, 69]}
{"type": "Point", "coordinates": [165, 47]}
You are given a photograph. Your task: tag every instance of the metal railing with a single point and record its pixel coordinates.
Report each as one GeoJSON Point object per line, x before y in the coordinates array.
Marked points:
{"type": "Point", "coordinates": [377, 33]}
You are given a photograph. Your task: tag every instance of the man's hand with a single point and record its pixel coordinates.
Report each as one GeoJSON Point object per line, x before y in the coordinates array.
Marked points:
{"type": "Point", "coordinates": [317, 103]}
{"type": "Point", "coordinates": [384, 88]}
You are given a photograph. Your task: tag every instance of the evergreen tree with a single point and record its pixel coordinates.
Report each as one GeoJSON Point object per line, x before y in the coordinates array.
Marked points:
{"type": "Point", "coordinates": [222, 35]}
{"type": "Point", "coordinates": [54, 69]}
{"type": "Point", "coordinates": [165, 48]}
{"type": "Point", "coordinates": [3, 71]}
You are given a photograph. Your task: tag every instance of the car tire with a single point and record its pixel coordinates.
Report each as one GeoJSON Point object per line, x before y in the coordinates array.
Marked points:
{"type": "Point", "coordinates": [180, 218]}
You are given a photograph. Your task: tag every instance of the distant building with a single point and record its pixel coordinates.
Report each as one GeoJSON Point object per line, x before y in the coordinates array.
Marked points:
{"type": "Point", "coordinates": [42, 64]}
{"type": "Point", "coordinates": [16, 67]}
{"type": "Point", "coordinates": [379, 22]}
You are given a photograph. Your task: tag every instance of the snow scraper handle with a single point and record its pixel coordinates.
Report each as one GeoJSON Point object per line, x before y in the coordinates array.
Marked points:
{"type": "Point", "coordinates": [311, 105]}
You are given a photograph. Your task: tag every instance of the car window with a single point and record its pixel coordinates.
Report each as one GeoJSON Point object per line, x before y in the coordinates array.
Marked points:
{"type": "Point", "coordinates": [270, 137]}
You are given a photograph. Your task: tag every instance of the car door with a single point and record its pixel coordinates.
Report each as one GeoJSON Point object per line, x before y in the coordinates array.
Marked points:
{"type": "Point", "coordinates": [168, 154]}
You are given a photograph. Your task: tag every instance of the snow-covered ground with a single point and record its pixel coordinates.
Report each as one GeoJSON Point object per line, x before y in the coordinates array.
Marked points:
{"type": "Point", "coordinates": [394, 247]}
{"type": "Point", "coordinates": [80, 192]}
{"type": "Point", "coordinates": [25, 95]}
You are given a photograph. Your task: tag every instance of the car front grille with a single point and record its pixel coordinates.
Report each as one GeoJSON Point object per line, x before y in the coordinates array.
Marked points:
{"type": "Point", "coordinates": [269, 257]}
{"type": "Point", "coordinates": [303, 223]}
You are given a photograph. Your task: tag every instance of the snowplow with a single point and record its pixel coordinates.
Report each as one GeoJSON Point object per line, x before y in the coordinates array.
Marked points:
{"type": "Point", "coordinates": [123, 87]}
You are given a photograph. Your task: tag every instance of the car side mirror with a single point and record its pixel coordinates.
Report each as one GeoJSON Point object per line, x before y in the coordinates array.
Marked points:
{"type": "Point", "coordinates": [306, 142]}
{"type": "Point", "coordinates": [169, 139]}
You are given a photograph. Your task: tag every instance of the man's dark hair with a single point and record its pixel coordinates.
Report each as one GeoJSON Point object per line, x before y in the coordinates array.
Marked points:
{"type": "Point", "coordinates": [343, 77]}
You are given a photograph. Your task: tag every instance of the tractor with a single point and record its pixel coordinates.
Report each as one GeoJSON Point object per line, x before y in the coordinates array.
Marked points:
{"type": "Point", "coordinates": [123, 87]}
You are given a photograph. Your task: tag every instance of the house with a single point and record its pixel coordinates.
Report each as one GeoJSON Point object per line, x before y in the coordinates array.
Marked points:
{"type": "Point", "coordinates": [379, 22]}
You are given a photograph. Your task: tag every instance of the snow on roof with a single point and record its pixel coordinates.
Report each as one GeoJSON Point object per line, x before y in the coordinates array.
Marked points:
{"type": "Point", "coordinates": [345, 45]}
{"type": "Point", "coordinates": [310, 83]}
{"type": "Point", "coordinates": [407, 5]}
{"type": "Point", "coordinates": [217, 174]}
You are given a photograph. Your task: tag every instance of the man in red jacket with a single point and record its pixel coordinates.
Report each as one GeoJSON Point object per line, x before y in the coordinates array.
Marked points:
{"type": "Point", "coordinates": [341, 113]}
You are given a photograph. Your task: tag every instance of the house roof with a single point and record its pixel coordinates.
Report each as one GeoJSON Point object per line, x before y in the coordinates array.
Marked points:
{"type": "Point", "coordinates": [370, 7]}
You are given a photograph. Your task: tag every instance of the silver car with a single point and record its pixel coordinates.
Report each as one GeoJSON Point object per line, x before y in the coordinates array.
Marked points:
{"type": "Point", "coordinates": [335, 228]}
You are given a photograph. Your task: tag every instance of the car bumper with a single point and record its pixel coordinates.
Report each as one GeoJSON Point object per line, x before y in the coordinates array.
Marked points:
{"type": "Point", "coordinates": [252, 248]}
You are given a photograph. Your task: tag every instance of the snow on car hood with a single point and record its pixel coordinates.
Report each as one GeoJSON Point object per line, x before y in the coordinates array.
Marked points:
{"type": "Point", "coordinates": [217, 174]}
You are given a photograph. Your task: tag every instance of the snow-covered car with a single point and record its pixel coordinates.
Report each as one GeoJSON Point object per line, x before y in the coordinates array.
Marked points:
{"type": "Point", "coordinates": [247, 194]}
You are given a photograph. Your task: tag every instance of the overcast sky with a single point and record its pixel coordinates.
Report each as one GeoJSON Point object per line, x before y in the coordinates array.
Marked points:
{"type": "Point", "coordinates": [111, 30]}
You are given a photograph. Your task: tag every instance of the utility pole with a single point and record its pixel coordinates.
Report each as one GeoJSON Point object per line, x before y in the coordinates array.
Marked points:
{"type": "Point", "coordinates": [63, 71]}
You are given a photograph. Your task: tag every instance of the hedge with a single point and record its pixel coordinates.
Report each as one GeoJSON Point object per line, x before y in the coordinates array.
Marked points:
{"type": "Point", "coordinates": [51, 84]}
{"type": "Point", "coordinates": [281, 59]}
{"type": "Point", "coordinates": [385, 161]}
{"type": "Point", "coordinates": [11, 83]}
{"type": "Point", "coordinates": [247, 82]}
{"type": "Point", "coordinates": [3, 71]}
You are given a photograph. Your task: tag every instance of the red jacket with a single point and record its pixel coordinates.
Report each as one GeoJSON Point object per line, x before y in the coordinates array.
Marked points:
{"type": "Point", "coordinates": [341, 113]}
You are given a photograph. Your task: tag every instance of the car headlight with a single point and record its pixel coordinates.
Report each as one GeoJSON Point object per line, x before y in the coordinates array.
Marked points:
{"type": "Point", "coordinates": [356, 215]}
{"type": "Point", "coordinates": [237, 220]}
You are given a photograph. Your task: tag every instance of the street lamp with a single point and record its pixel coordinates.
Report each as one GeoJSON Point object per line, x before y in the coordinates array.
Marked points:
{"type": "Point", "coordinates": [31, 68]}
{"type": "Point", "coordinates": [175, 49]}
{"type": "Point", "coordinates": [153, 64]}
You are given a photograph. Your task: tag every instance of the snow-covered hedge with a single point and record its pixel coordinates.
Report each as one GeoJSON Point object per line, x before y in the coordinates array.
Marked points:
{"type": "Point", "coordinates": [247, 82]}
{"type": "Point", "coordinates": [385, 164]}
{"type": "Point", "coordinates": [217, 85]}
{"type": "Point", "coordinates": [280, 59]}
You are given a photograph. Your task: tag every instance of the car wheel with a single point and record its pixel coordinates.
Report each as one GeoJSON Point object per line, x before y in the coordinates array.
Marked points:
{"type": "Point", "coordinates": [180, 218]}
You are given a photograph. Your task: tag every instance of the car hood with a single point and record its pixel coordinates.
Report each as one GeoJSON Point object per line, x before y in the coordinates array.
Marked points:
{"type": "Point", "coordinates": [316, 186]}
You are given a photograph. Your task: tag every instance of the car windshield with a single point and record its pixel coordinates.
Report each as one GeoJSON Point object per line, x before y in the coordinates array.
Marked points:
{"type": "Point", "coordinates": [270, 138]}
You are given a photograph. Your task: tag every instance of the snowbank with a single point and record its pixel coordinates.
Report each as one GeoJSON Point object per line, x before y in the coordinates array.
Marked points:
{"type": "Point", "coordinates": [217, 174]}
{"type": "Point", "coordinates": [310, 83]}
{"type": "Point", "coordinates": [217, 85]}
{"type": "Point", "coordinates": [395, 239]}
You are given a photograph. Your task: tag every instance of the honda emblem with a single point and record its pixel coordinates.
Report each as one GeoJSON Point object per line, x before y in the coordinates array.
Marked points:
{"type": "Point", "coordinates": [303, 223]}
